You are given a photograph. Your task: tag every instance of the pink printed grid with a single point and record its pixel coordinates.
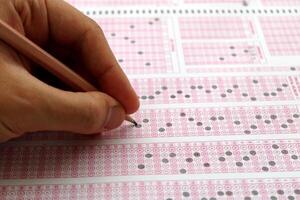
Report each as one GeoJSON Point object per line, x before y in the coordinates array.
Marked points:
{"type": "Point", "coordinates": [212, 53]}
{"type": "Point", "coordinates": [281, 2]}
{"type": "Point", "coordinates": [282, 35]}
{"type": "Point", "coordinates": [213, 89]}
{"type": "Point", "coordinates": [228, 69]}
{"type": "Point", "coordinates": [97, 3]}
{"type": "Point", "coordinates": [215, 28]}
{"type": "Point", "coordinates": [62, 161]}
{"type": "Point", "coordinates": [227, 189]}
{"type": "Point", "coordinates": [198, 122]}
{"type": "Point", "coordinates": [140, 44]}
{"type": "Point", "coordinates": [215, 1]}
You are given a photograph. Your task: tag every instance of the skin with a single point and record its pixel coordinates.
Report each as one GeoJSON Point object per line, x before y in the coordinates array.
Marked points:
{"type": "Point", "coordinates": [30, 104]}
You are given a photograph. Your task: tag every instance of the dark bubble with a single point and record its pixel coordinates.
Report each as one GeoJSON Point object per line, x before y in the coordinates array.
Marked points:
{"type": "Point", "coordinates": [141, 166]}
{"type": "Point", "coordinates": [148, 155]}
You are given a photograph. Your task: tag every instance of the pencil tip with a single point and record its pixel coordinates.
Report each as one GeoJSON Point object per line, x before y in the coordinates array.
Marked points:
{"type": "Point", "coordinates": [132, 121]}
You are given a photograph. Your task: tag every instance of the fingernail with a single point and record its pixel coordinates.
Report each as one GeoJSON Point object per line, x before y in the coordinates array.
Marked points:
{"type": "Point", "coordinates": [115, 117]}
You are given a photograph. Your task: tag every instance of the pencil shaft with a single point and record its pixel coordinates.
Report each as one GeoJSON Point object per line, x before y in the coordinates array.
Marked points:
{"type": "Point", "coordinates": [44, 59]}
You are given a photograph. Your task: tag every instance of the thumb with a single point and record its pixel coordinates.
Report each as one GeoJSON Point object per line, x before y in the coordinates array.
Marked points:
{"type": "Point", "coordinates": [86, 113]}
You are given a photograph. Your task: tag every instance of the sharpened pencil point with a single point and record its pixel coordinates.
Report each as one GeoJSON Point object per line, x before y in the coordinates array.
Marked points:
{"type": "Point", "coordinates": [128, 118]}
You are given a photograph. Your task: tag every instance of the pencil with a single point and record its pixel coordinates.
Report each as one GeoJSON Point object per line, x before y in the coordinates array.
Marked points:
{"type": "Point", "coordinates": [32, 51]}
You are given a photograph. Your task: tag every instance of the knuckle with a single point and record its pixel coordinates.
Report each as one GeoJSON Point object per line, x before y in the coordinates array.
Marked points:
{"type": "Point", "coordinates": [94, 114]}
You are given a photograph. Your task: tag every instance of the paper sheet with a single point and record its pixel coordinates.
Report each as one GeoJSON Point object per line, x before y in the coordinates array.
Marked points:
{"type": "Point", "coordinates": [219, 85]}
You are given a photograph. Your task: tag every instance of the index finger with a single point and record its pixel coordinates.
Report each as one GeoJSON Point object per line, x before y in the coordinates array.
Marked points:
{"type": "Point", "coordinates": [68, 27]}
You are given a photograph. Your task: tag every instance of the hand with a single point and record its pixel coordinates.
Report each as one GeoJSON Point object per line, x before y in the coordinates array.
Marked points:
{"type": "Point", "coordinates": [28, 104]}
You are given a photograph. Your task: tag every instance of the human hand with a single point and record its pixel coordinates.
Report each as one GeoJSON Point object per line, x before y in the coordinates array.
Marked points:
{"type": "Point", "coordinates": [28, 104]}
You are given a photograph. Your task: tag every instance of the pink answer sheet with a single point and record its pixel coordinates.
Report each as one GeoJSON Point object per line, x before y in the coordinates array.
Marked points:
{"type": "Point", "coordinates": [219, 86]}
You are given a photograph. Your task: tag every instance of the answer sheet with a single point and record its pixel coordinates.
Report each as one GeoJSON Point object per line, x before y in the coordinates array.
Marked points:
{"type": "Point", "coordinates": [219, 86]}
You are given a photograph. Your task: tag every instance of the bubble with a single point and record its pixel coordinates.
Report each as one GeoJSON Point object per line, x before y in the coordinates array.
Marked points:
{"type": "Point", "coordinates": [273, 94]}
{"type": "Point", "coordinates": [187, 96]}
{"type": "Point", "coordinates": [151, 97]}
{"type": "Point", "coordinates": [235, 86]}
{"type": "Point", "coordinates": [186, 194]}
{"type": "Point", "coordinates": [275, 146]}
{"type": "Point", "coordinates": [293, 68]}
{"type": "Point", "coordinates": [221, 118]}
{"type": "Point", "coordinates": [279, 89]}
{"type": "Point", "coordinates": [206, 165]}
{"type": "Point", "coordinates": [272, 163]}
{"type": "Point", "coordinates": [273, 117]}
{"type": "Point", "coordinates": [173, 96]}
{"type": "Point", "coordinates": [244, 94]}
{"type": "Point", "coordinates": [191, 119]}
{"type": "Point", "coordinates": [182, 114]}
{"type": "Point", "coordinates": [266, 94]}
{"type": "Point", "coordinates": [247, 198]}
{"type": "Point", "coordinates": [197, 154]}
{"type": "Point", "coordinates": [291, 197]}
{"type": "Point", "coordinates": [237, 122]}
{"type": "Point", "coordinates": [229, 193]}
{"type": "Point", "coordinates": [255, 81]}
{"type": "Point", "coordinates": [150, 23]}
{"type": "Point", "coordinates": [228, 153]}
{"type": "Point", "coordinates": [247, 132]}
{"type": "Point", "coordinates": [281, 192]}
{"type": "Point", "coordinates": [131, 26]}
{"type": "Point", "coordinates": [132, 41]}
{"type": "Point", "coordinates": [267, 121]}
{"type": "Point", "coordinates": [179, 91]}
{"type": "Point", "coordinates": [199, 123]}
{"type": "Point", "coordinates": [290, 121]}
{"type": "Point", "coordinates": [157, 92]}
{"type": "Point", "coordinates": [126, 38]}
{"type": "Point", "coordinates": [265, 169]}
{"type": "Point", "coordinates": [285, 85]}
{"type": "Point", "coordinates": [140, 52]}
{"type": "Point", "coordinates": [161, 129]}
{"type": "Point", "coordinates": [239, 164]}
{"type": "Point", "coordinates": [284, 151]}
{"type": "Point", "coordinates": [254, 192]}
{"type": "Point", "coordinates": [258, 117]}
{"type": "Point", "coordinates": [172, 155]}
{"type": "Point", "coordinates": [253, 127]}
{"type": "Point", "coordinates": [297, 191]}
{"type": "Point", "coordinates": [221, 58]}
{"type": "Point", "coordinates": [213, 118]}
{"type": "Point", "coordinates": [164, 87]}
{"type": "Point", "coordinates": [222, 159]}
{"type": "Point", "coordinates": [246, 158]}
{"type": "Point", "coordinates": [143, 97]}
{"type": "Point", "coordinates": [229, 91]}
{"type": "Point", "coordinates": [148, 155]}
{"type": "Point", "coordinates": [294, 157]}
{"type": "Point", "coordinates": [220, 193]}
{"type": "Point", "coordinates": [168, 124]}
{"type": "Point", "coordinates": [207, 91]}
{"type": "Point", "coordinates": [273, 198]}
{"type": "Point", "coordinates": [200, 87]}
{"type": "Point", "coordinates": [223, 95]}
{"type": "Point", "coordinates": [208, 128]}
{"type": "Point", "coordinates": [141, 166]}
{"type": "Point", "coordinates": [147, 64]}
{"type": "Point", "coordinates": [189, 160]}
{"type": "Point", "coordinates": [284, 126]}
{"type": "Point", "coordinates": [182, 171]}
{"type": "Point", "coordinates": [252, 152]}
{"type": "Point", "coordinates": [234, 54]}
{"type": "Point", "coordinates": [113, 34]}
{"type": "Point", "coordinates": [296, 116]}
{"type": "Point", "coordinates": [164, 160]}
{"type": "Point", "coordinates": [246, 51]}
{"type": "Point", "coordinates": [232, 47]}
{"type": "Point", "coordinates": [120, 60]}
{"type": "Point", "coordinates": [253, 98]}
{"type": "Point", "coordinates": [214, 87]}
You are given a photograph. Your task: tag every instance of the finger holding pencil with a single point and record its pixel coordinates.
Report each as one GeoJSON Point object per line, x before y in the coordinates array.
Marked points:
{"type": "Point", "coordinates": [69, 106]}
